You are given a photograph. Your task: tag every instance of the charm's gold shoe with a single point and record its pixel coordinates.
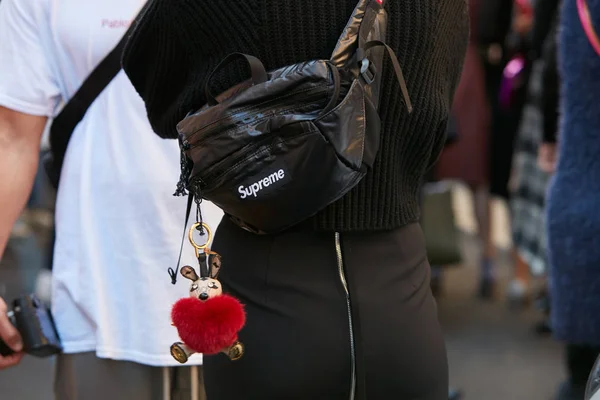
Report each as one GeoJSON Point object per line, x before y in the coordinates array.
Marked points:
{"type": "Point", "coordinates": [180, 352]}
{"type": "Point", "coordinates": [235, 352]}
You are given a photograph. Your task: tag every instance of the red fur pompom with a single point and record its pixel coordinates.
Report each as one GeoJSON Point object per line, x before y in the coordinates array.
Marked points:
{"type": "Point", "coordinates": [209, 326]}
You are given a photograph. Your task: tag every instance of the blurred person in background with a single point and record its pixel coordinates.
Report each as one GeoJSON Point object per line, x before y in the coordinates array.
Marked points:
{"type": "Point", "coordinates": [534, 155]}
{"type": "Point", "coordinates": [467, 159]}
{"type": "Point", "coordinates": [118, 227]}
{"type": "Point", "coordinates": [493, 26]}
{"type": "Point", "coordinates": [508, 113]}
{"type": "Point", "coordinates": [500, 28]}
{"type": "Point", "coordinates": [482, 156]}
{"type": "Point", "coordinates": [573, 215]}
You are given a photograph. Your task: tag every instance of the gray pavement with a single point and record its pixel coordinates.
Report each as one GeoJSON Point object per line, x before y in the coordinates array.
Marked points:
{"type": "Point", "coordinates": [493, 352]}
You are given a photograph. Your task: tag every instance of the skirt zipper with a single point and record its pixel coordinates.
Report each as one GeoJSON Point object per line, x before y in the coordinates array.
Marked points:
{"type": "Point", "coordinates": [342, 273]}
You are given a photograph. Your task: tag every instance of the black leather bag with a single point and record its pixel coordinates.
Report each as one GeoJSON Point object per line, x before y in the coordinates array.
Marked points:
{"type": "Point", "coordinates": [280, 147]}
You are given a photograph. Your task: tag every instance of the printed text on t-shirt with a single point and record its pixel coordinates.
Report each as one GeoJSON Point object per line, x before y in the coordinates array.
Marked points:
{"type": "Point", "coordinates": [115, 23]}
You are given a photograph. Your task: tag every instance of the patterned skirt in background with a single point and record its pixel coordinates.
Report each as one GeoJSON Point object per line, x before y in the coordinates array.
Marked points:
{"type": "Point", "coordinates": [529, 183]}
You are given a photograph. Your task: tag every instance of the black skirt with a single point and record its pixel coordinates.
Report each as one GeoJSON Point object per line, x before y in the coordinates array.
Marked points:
{"type": "Point", "coordinates": [330, 316]}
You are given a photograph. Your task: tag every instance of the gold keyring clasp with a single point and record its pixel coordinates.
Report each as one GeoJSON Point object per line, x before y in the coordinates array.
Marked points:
{"type": "Point", "coordinates": [197, 246]}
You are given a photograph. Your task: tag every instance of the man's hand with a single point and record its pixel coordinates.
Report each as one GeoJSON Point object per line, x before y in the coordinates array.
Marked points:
{"type": "Point", "coordinates": [10, 336]}
{"type": "Point", "coordinates": [547, 157]}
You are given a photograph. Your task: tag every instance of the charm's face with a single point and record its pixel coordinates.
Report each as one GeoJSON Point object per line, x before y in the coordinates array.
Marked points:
{"type": "Point", "coordinates": [206, 288]}
{"type": "Point", "coordinates": [202, 288]}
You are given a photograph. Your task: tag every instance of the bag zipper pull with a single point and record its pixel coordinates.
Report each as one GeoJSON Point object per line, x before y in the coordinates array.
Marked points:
{"type": "Point", "coordinates": [186, 169]}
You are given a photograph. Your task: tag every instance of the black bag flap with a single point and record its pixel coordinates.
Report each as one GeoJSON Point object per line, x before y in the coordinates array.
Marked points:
{"type": "Point", "coordinates": [285, 85]}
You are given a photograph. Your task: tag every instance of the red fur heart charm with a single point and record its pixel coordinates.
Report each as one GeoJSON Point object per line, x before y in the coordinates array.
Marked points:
{"type": "Point", "coordinates": [208, 326]}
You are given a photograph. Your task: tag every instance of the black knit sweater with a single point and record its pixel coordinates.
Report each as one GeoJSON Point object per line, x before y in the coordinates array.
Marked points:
{"type": "Point", "coordinates": [177, 43]}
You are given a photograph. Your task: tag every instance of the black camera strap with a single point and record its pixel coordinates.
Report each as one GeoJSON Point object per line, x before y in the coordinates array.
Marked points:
{"type": "Point", "coordinates": [188, 212]}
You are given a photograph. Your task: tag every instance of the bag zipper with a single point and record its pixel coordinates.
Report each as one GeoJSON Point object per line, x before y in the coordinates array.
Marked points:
{"type": "Point", "coordinates": [265, 112]}
{"type": "Point", "coordinates": [342, 273]}
{"type": "Point", "coordinates": [251, 150]}
{"type": "Point", "coordinates": [198, 184]}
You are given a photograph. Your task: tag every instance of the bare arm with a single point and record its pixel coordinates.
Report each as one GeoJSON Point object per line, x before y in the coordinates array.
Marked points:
{"type": "Point", "coordinates": [20, 136]}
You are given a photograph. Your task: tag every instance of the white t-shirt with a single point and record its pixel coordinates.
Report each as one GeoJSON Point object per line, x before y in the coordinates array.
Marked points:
{"type": "Point", "coordinates": [118, 225]}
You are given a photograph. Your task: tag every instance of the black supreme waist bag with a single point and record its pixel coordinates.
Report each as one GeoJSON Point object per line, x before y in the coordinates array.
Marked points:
{"type": "Point", "coordinates": [280, 147]}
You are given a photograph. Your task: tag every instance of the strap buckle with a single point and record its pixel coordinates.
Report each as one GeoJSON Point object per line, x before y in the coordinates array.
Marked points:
{"type": "Point", "coordinates": [367, 70]}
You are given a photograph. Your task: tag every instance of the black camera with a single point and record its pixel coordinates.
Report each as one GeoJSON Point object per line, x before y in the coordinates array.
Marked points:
{"type": "Point", "coordinates": [34, 322]}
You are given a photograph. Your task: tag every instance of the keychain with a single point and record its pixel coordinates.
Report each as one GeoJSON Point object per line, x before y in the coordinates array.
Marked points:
{"type": "Point", "coordinates": [207, 321]}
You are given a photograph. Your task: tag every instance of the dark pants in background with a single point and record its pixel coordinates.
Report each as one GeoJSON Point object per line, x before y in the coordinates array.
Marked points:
{"type": "Point", "coordinates": [504, 127]}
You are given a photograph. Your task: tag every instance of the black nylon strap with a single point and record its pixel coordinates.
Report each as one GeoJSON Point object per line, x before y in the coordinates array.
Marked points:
{"type": "Point", "coordinates": [188, 211]}
{"type": "Point", "coordinates": [73, 112]}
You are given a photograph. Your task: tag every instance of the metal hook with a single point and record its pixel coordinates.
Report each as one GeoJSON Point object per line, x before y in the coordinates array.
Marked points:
{"type": "Point", "coordinates": [204, 246]}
